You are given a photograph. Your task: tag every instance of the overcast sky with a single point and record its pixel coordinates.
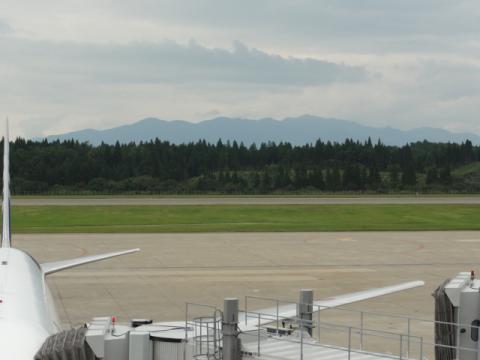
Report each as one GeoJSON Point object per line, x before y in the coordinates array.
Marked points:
{"type": "Point", "coordinates": [68, 65]}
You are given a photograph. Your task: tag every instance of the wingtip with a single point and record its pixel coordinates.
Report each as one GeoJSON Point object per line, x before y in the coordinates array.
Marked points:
{"type": "Point", "coordinates": [416, 283]}
{"type": "Point", "coordinates": [130, 251]}
{"type": "Point", "coordinates": [126, 252]}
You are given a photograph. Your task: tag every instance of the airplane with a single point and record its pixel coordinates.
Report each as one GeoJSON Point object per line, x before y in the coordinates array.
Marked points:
{"type": "Point", "coordinates": [27, 310]}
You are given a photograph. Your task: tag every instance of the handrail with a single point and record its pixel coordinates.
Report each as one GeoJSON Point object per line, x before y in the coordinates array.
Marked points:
{"type": "Point", "coordinates": [215, 321]}
{"type": "Point", "coordinates": [401, 339]}
{"type": "Point", "coordinates": [327, 325]}
{"type": "Point", "coordinates": [367, 312]}
{"type": "Point", "coordinates": [350, 330]}
{"type": "Point", "coordinates": [316, 344]}
{"type": "Point", "coordinates": [353, 330]}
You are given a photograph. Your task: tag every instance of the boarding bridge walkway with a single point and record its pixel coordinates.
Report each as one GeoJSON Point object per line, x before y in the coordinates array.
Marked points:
{"type": "Point", "coordinates": [288, 350]}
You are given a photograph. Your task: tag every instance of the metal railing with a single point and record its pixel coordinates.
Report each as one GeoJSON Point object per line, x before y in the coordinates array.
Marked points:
{"type": "Point", "coordinates": [397, 352]}
{"type": "Point", "coordinates": [205, 331]}
{"type": "Point", "coordinates": [300, 326]}
{"type": "Point", "coordinates": [405, 340]}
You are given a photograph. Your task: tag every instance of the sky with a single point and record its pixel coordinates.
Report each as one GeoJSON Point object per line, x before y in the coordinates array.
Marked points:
{"type": "Point", "coordinates": [69, 65]}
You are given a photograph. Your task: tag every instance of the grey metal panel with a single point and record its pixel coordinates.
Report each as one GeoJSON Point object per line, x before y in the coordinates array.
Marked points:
{"type": "Point", "coordinates": [95, 336]}
{"type": "Point", "coordinates": [140, 346]}
{"type": "Point", "coordinates": [163, 350]}
{"type": "Point", "coordinates": [468, 311]}
{"type": "Point", "coordinates": [116, 343]}
{"type": "Point", "coordinates": [305, 309]}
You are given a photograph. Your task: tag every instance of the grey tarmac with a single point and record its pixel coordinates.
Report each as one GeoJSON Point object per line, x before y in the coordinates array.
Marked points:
{"type": "Point", "coordinates": [173, 269]}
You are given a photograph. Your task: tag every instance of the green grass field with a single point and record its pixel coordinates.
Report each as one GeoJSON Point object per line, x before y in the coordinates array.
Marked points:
{"type": "Point", "coordinates": [241, 218]}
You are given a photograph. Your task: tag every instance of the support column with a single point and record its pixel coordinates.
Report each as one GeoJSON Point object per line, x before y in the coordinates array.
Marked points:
{"type": "Point", "coordinates": [231, 344]}
{"type": "Point", "coordinates": [305, 309]}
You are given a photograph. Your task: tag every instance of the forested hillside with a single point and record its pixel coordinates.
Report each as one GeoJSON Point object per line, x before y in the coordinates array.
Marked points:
{"type": "Point", "coordinates": [160, 167]}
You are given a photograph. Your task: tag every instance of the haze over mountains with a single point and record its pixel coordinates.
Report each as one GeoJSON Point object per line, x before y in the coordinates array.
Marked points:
{"type": "Point", "coordinates": [298, 131]}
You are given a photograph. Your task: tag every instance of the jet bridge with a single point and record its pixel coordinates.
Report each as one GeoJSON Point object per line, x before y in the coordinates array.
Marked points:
{"type": "Point", "coordinates": [230, 333]}
{"type": "Point", "coordinates": [457, 305]}
{"type": "Point", "coordinates": [103, 339]}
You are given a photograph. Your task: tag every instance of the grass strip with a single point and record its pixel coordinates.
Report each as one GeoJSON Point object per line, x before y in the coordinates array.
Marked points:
{"type": "Point", "coordinates": [243, 218]}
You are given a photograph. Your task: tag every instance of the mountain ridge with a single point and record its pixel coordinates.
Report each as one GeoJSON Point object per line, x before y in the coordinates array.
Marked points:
{"type": "Point", "coordinates": [296, 130]}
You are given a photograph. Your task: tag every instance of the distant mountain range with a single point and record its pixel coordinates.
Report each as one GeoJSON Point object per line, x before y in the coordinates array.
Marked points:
{"type": "Point", "coordinates": [298, 131]}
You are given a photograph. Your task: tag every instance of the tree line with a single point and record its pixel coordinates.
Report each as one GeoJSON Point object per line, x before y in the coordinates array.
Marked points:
{"type": "Point", "coordinates": [40, 167]}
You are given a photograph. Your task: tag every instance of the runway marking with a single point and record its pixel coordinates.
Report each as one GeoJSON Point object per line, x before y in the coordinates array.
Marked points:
{"type": "Point", "coordinates": [345, 239]}
{"type": "Point", "coordinates": [323, 241]}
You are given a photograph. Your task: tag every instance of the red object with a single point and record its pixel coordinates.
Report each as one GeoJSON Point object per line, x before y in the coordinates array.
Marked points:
{"type": "Point", "coordinates": [472, 275]}
{"type": "Point", "coordinates": [114, 319]}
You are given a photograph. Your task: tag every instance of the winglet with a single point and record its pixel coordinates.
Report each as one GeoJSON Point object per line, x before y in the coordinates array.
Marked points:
{"type": "Point", "coordinates": [6, 230]}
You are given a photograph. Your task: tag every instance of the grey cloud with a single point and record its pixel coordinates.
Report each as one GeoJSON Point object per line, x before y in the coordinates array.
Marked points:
{"type": "Point", "coordinates": [4, 27]}
{"type": "Point", "coordinates": [141, 79]}
{"type": "Point", "coordinates": [170, 62]}
{"type": "Point", "coordinates": [447, 81]}
{"type": "Point", "coordinates": [208, 114]}
{"type": "Point", "coordinates": [436, 93]}
{"type": "Point", "coordinates": [410, 24]}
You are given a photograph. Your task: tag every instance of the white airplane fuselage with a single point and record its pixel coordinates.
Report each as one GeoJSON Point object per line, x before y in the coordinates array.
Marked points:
{"type": "Point", "coordinates": [27, 312]}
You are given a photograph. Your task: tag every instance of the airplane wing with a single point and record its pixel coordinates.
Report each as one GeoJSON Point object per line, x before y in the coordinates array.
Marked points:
{"type": "Point", "coordinates": [290, 311]}
{"type": "Point", "coordinates": [52, 267]}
